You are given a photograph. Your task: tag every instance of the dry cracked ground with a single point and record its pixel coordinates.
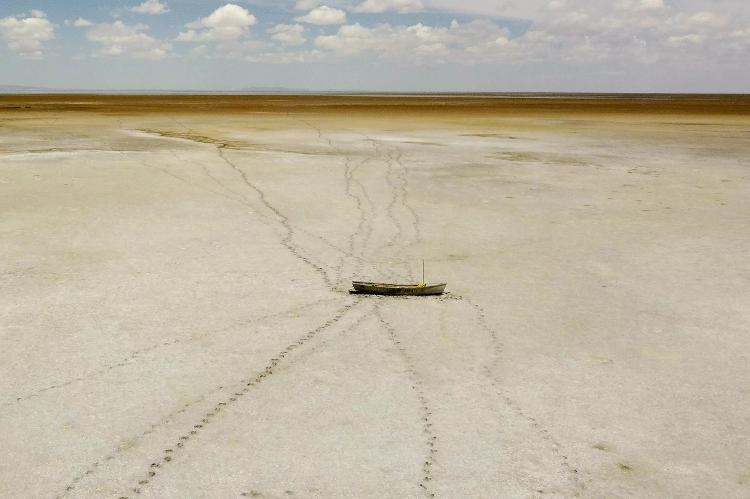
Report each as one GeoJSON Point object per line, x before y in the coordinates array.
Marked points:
{"type": "Point", "coordinates": [175, 319]}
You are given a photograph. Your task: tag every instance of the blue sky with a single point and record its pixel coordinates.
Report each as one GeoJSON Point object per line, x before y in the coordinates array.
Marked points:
{"type": "Point", "coordinates": [389, 45]}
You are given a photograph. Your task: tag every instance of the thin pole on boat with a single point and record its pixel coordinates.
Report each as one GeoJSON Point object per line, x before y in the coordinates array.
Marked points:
{"type": "Point", "coordinates": [423, 283]}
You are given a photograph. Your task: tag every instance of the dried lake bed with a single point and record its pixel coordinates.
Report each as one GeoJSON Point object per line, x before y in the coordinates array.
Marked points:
{"type": "Point", "coordinates": [175, 318]}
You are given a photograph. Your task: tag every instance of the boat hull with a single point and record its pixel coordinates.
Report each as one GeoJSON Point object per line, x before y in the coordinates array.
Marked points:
{"type": "Point", "coordinates": [375, 288]}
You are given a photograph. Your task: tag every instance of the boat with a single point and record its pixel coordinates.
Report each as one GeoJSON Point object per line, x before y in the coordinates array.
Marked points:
{"type": "Point", "coordinates": [378, 288]}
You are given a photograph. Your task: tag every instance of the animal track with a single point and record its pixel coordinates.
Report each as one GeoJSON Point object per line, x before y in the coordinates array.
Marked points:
{"type": "Point", "coordinates": [364, 227]}
{"type": "Point", "coordinates": [426, 413]}
{"type": "Point", "coordinates": [92, 468]}
{"type": "Point", "coordinates": [398, 199]}
{"type": "Point", "coordinates": [134, 355]}
{"type": "Point", "coordinates": [504, 395]}
{"type": "Point", "coordinates": [287, 239]}
{"type": "Point", "coordinates": [241, 389]}
{"type": "Point", "coordinates": [398, 183]}
{"type": "Point", "coordinates": [416, 224]}
{"type": "Point", "coordinates": [363, 232]}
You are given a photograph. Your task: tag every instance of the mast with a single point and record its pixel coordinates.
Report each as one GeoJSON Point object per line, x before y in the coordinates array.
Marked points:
{"type": "Point", "coordinates": [422, 283]}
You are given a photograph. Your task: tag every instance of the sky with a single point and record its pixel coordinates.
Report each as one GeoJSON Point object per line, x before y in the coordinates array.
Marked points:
{"type": "Point", "coordinates": [378, 45]}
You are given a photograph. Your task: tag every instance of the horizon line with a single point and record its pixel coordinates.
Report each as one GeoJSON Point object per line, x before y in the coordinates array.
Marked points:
{"type": "Point", "coordinates": [9, 90]}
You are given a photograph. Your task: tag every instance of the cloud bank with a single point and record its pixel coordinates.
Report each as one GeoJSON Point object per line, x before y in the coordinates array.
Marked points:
{"type": "Point", "coordinates": [583, 35]}
{"type": "Point", "coordinates": [27, 34]}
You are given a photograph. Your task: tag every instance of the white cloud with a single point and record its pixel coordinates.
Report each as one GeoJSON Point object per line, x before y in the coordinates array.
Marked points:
{"type": "Point", "coordinates": [306, 4]}
{"type": "Point", "coordinates": [708, 20]}
{"type": "Point", "coordinates": [637, 31]}
{"type": "Point", "coordinates": [402, 6]}
{"type": "Point", "coordinates": [82, 23]}
{"type": "Point", "coordinates": [26, 35]}
{"type": "Point", "coordinates": [640, 5]}
{"type": "Point", "coordinates": [119, 39]}
{"type": "Point", "coordinates": [350, 40]}
{"type": "Point", "coordinates": [681, 41]}
{"type": "Point", "coordinates": [581, 32]}
{"type": "Point", "coordinates": [557, 5]}
{"type": "Point", "coordinates": [420, 43]}
{"type": "Point", "coordinates": [651, 4]}
{"type": "Point", "coordinates": [741, 34]}
{"type": "Point", "coordinates": [153, 7]}
{"type": "Point", "coordinates": [506, 8]}
{"type": "Point", "coordinates": [288, 34]}
{"type": "Point", "coordinates": [324, 15]}
{"type": "Point", "coordinates": [285, 57]}
{"type": "Point", "coordinates": [200, 51]}
{"type": "Point", "coordinates": [226, 24]}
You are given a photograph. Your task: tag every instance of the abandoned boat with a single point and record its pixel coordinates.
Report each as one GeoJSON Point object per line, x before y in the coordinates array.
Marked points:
{"type": "Point", "coordinates": [376, 288]}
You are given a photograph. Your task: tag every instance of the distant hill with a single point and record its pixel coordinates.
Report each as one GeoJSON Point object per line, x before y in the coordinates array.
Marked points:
{"type": "Point", "coordinates": [18, 89]}
{"type": "Point", "coordinates": [272, 90]}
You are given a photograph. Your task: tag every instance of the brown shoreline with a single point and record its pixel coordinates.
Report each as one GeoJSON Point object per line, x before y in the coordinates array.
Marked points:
{"type": "Point", "coordinates": [483, 104]}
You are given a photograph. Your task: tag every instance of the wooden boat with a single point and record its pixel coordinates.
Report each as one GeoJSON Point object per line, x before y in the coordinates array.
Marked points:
{"type": "Point", "coordinates": [376, 288]}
